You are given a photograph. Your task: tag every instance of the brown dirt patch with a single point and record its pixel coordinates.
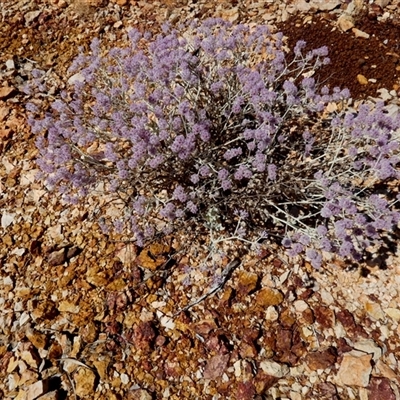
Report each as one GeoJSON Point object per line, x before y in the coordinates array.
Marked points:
{"type": "Point", "coordinates": [375, 58]}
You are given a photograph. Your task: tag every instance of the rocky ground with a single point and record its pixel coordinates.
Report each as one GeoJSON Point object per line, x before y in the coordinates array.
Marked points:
{"type": "Point", "coordinates": [85, 315]}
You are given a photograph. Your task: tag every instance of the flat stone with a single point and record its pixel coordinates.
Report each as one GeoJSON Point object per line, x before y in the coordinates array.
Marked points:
{"type": "Point", "coordinates": [10, 64]}
{"type": "Point", "coordinates": [345, 22]}
{"type": "Point", "coordinates": [302, 6]}
{"type": "Point", "coordinates": [325, 5]}
{"type": "Point", "coordinates": [216, 366]}
{"type": "Point", "coordinates": [247, 283]}
{"type": "Point", "coordinates": [85, 382]}
{"type": "Point", "coordinates": [355, 7]}
{"type": "Point", "coordinates": [382, 3]}
{"type": "Point", "coordinates": [36, 389]}
{"type": "Point", "coordinates": [393, 313]}
{"type": "Point", "coordinates": [78, 77]}
{"type": "Point", "coordinates": [268, 297]}
{"type": "Point", "coordinates": [31, 16]}
{"type": "Point", "coordinates": [355, 369]}
{"type": "Point", "coordinates": [57, 257]}
{"type": "Point", "coordinates": [231, 14]}
{"type": "Point", "coordinates": [321, 359]}
{"type": "Point", "coordinates": [53, 395]}
{"type": "Point", "coordinates": [384, 370]}
{"type": "Point", "coordinates": [274, 369]}
{"type": "Point", "coordinates": [141, 394]}
{"type": "Point", "coordinates": [374, 310]}
{"type": "Point", "coordinates": [4, 111]}
{"type": "Point", "coordinates": [300, 306]}
{"type": "Point", "coordinates": [38, 339]}
{"type": "Point", "coordinates": [370, 347]}
{"type": "Point", "coordinates": [7, 91]}
{"type": "Point", "coordinates": [66, 306]}
{"type": "Point", "coordinates": [360, 34]}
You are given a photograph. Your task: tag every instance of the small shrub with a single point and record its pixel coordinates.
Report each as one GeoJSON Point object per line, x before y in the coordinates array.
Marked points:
{"type": "Point", "coordinates": [208, 127]}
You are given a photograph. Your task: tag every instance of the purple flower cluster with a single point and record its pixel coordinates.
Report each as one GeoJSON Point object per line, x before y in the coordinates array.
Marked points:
{"type": "Point", "coordinates": [210, 117]}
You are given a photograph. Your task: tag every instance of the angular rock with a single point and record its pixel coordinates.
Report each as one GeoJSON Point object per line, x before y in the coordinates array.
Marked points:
{"type": "Point", "coordinates": [67, 306]}
{"type": "Point", "coordinates": [205, 326]}
{"type": "Point", "coordinates": [274, 369]}
{"type": "Point", "coordinates": [10, 64]}
{"type": "Point", "coordinates": [382, 3]}
{"type": "Point", "coordinates": [247, 283]}
{"type": "Point", "coordinates": [374, 310]}
{"type": "Point", "coordinates": [327, 390]}
{"type": "Point", "coordinates": [324, 316]}
{"type": "Point", "coordinates": [53, 395]}
{"type": "Point", "coordinates": [268, 297]}
{"type": "Point", "coordinates": [384, 370]}
{"type": "Point", "coordinates": [216, 366]}
{"type": "Point", "coordinates": [31, 16]}
{"type": "Point", "coordinates": [245, 390]}
{"type": "Point", "coordinates": [370, 347]}
{"type": "Point", "coordinates": [57, 257]}
{"type": "Point", "coordinates": [345, 22]}
{"type": "Point", "coordinates": [85, 382]}
{"type": "Point", "coordinates": [247, 350]}
{"type": "Point", "coordinates": [325, 5]}
{"type": "Point", "coordinates": [78, 77]}
{"type": "Point", "coordinates": [139, 394]}
{"type": "Point", "coordinates": [359, 33]}
{"type": "Point", "coordinates": [36, 389]}
{"type": "Point", "coordinates": [39, 340]}
{"type": "Point", "coordinates": [153, 256]}
{"type": "Point", "coordinates": [347, 320]}
{"type": "Point", "coordinates": [355, 369]}
{"type": "Point", "coordinates": [7, 91]}
{"type": "Point", "coordinates": [321, 359]}
{"type": "Point", "coordinates": [4, 111]}
{"type": "Point", "coordinates": [379, 389]}
{"type": "Point", "coordinates": [31, 358]}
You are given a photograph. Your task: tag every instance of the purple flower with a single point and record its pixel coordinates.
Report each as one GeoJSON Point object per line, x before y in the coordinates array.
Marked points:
{"type": "Point", "coordinates": [179, 194]}
{"type": "Point", "coordinates": [322, 231]}
{"type": "Point", "coordinates": [286, 242]}
{"type": "Point", "coordinates": [346, 248]}
{"type": "Point", "coordinates": [295, 250]}
{"type": "Point", "coordinates": [325, 244]}
{"type": "Point", "coordinates": [290, 88]}
{"type": "Point", "coordinates": [175, 134]}
{"type": "Point", "coordinates": [259, 162]}
{"type": "Point", "coordinates": [272, 172]}
{"type": "Point", "coordinates": [232, 153]}
{"type": "Point", "coordinates": [243, 173]}
{"type": "Point", "coordinates": [168, 211]}
{"type": "Point", "coordinates": [300, 45]}
{"type": "Point", "coordinates": [226, 184]}
{"type": "Point", "coordinates": [195, 178]}
{"type": "Point", "coordinates": [204, 171]}
{"type": "Point", "coordinates": [191, 207]}
{"type": "Point", "coordinates": [314, 257]}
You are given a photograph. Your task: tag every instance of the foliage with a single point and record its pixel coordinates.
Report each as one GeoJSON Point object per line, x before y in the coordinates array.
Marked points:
{"type": "Point", "coordinates": [208, 127]}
